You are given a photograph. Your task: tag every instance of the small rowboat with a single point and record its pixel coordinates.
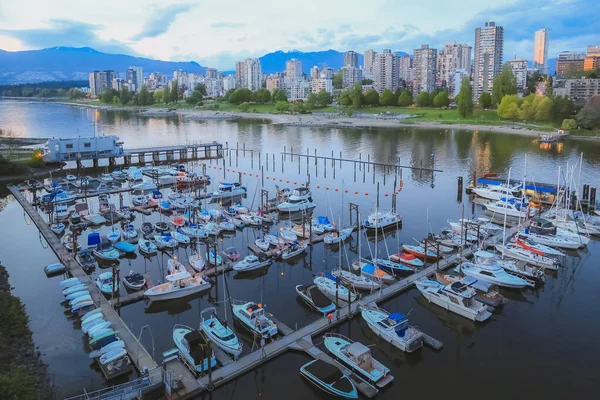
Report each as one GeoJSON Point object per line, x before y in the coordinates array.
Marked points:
{"type": "Point", "coordinates": [56, 268]}
{"type": "Point", "coordinates": [134, 281]}
{"type": "Point", "coordinates": [406, 259]}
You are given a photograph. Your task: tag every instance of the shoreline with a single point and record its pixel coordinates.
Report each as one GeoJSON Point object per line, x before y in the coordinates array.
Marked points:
{"type": "Point", "coordinates": [311, 120]}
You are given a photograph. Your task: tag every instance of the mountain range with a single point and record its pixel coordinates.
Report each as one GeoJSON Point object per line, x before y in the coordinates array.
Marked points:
{"type": "Point", "coordinates": [72, 63]}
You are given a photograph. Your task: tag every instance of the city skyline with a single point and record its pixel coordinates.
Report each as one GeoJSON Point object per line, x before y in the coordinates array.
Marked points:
{"type": "Point", "coordinates": [166, 31]}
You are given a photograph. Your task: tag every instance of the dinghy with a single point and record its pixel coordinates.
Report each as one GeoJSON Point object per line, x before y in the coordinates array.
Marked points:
{"type": "Point", "coordinates": [165, 242]}
{"type": "Point", "coordinates": [458, 298]}
{"type": "Point", "coordinates": [219, 333]}
{"type": "Point", "coordinates": [419, 251]}
{"type": "Point", "coordinates": [119, 344]}
{"type": "Point", "coordinates": [102, 340]}
{"type": "Point", "coordinates": [180, 237]}
{"type": "Point", "coordinates": [98, 328]}
{"type": "Point", "coordinates": [356, 281]}
{"type": "Point", "coordinates": [114, 235]}
{"type": "Point", "coordinates": [89, 314]}
{"type": "Point", "coordinates": [177, 286]}
{"type": "Point", "coordinates": [67, 283]}
{"type": "Point", "coordinates": [272, 240]}
{"type": "Point", "coordinates": [337, 237]}
{"type": "Point", "coordinates": [105, 251]}
{"type": "Point", "coordinates": [147, 228]}
{"type": "Point", "coordinates": [251, 263]}
{"type": "Point", "coordinates": [75, 295]}
{"type": "Point", "coordinates": [57, 228]}
{"type": "Point", "coordinates": [394, 329]}
{"type": "Point", "coordinates": [56, 268]}
{"type": "Point", "coordinates": [82, 306]}
{"type": "Point", "coordinates": [125, 247]}
{"type": "Point", "coordinates": [161, 226]}
{"type": "Point", "coordinates": [357, 356]}
{"type": "Point", "coordinates": [134, 281]}
{"type": "Point", "coordinates": [194, 231]}
{"type": "Point", "coordinates": [211, 258]}
{"type": "Point", "coordinates": [232, 254]}
{"type": "Point", "coordinates": [112, 355]}
{"type": "Point", "coordinates": [329, 378]}
{"type": "Point", "coordinates": [329, 287]}
{"type": "Point", "coordinates": [74, 288]}
{"type": "Point", "coordinates": [92, 323]}
{"type": "Point", "coordinates": [71, 178]}
{"type": "Point", "coordinates": [106, 283]}
{"type": "Point", "coordinates": [315, 298]}
{"type": "Point", "coordinates": [130, 234]}
{"type": "Point", "coordinates": [147, 247]}
{"type": "Point", "coordinates": [191, 345]}
{"type": "Point", "coordinates": [86, 260]}
{"type": "Point", "coordinates": [288, 236]}
{"type": "Point", "coordinates": [197, 262]}
{"type": "Point", "coordinates": [252, 317]}
{"type": "Point", "coordinates": [262, 244]}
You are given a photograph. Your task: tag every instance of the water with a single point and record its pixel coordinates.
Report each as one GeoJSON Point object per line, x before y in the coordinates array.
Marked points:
{"type": "Point", "coordinates": [546, 332]}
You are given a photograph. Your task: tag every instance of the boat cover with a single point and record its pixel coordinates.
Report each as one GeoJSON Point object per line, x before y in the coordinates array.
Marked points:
{"type": "Point", "coordinates": [325, 372]}
{"type": "Point", "coordinates": [397, 316]}
{"type": "Point", "coordinates": [196, 343]}
{"type": "Point", "coordinates": [94, 239]}
{"type": "Point", "coordinates": [323, 221]}
{"type": "Point", "coordinates": [318, 298]}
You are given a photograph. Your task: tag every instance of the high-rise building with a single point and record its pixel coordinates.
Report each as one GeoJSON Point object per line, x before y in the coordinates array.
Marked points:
{"type": "Point", "coordinates": [293, 70]}
{"type": "Point", "coordinates": [297, 90]}
{"type": "Point", "coordinates": [350, 75]}
{"type": "Point", "coordinates": [454, 56]}
{"type": "Point", "coordinates": [275, 81]}
{"type": "Point", "coordinates": [314, 72]}
{"type": "Point", "coordinates": [489, 53]}
{"type": "Point", "coordinates": [405, 71]}
{"type": "Point", "coordinates": [239, 73]}
{"type": "Point", "coordinates": [101, 80]}
{"type": "Point", "coordinates": [579, 90]}
{"type": "Point", "coordinates": [519, 69]}
{"type": "Point", "coordinates": [386, 71]}
{"type": "Point", "coordinates": [131, 79]}
{"type": "Point", "coordinates": [459, 74]}
{"type": "Point", "coordinates": [321, 83]}
{"type": "Point", "coordinates": [328, 73]}
{"type": "Point", "coordinates": [248, 74]}
{"type": "Point", "coordinates": [540, 50]}
{"type": "Point", "coordinates": [569, 61]}
{"type": "Point", "coordinates": [229, 82]}
{"type": "Point", "coordinates": [424, 68]}
{"type": "Point", "coordinates": [592, 59]}
{"type": "Point", "coordinates": [139, 77]}
{"type": "Point", "coordinates": [211, 73]}
{"type": "Point", "coordinates": [351, 59]}
{"type": "Point", "coordinates": [369, 61]}
{"type": "Point", "coordinates": [95, 88]}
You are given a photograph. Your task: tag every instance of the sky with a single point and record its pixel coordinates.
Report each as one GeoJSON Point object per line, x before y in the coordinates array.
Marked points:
{"type": "Point", "coordinates": [217, 34]}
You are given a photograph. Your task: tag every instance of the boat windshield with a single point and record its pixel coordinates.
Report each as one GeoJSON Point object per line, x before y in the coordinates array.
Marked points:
{"type": "Point", "coordinates": [295, 201]}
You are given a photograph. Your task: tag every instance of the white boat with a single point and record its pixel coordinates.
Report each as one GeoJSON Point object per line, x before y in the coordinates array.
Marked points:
{"type": "Point", "coordinates": [113, 355]}
{"type": "Point", "coordinates": [62, 212]}
{"type": "Point", "coordinates": [382, 219]}
{"type": "Point", "coordinates": [562, 242]}
{"type": "Point", "coordinates": [356, 281]}
{"type": "Point", "coordinates": [130, 234]}
{"type": "Point", "coordinates": [57, 228]}
{"type": "Point", "coordinates": [106, 283]}
{"type": "Point", "coordinates": [211, 258]}
{"type": "Point", "coordinates": [357, 356]}
{"type": "Point", "coordinates": [496, 192]}
{"type": "Point", "coordinates": [146, 185]}
{"type": "Point", "coordinates": [82, 306]}
{"type": "Point", "coordinates": [219, 333]}
{"type": "Point", "coordinates": [105, 251]}
{"type": "Point", "coordinates": [77, 300]}
{"type": "Point", "coordinates": [134, 174]}
{"type": "Point", "coordinates": [313, 296]}
{"type": "Point", "coordinates": [117, 344]}
{"type": "Point", "coordinates": [394, 329]}
{"type": "Point", "coordinates": [177, 286]}
{"type": "Point", "coordinates": [195, 231]}
{"type": "Point", "coordinates": [67, 242]}
{"type": "Point", "coordinates": [337, 237]}
{"type": "Point", "coordinates": [252, 317]}
{"type": "Point", "coordinates": [165, 242]}
{"type": "Point", "coordinates": [486, 268]}
{"type": "Point", "coordinates": [328, 378]}
{"type": "Point", "coordinates": [227, 226]}
{"type": "Point", "coordinates": [56, 268]}
{"type": "Point", "coordinates": [191, 345]}
{"type": "Point", "coordinates": [228, 189]}
{"type": "Point", "coordinates": [67, 283]}
{"type": "Point", "coordinates": [511, 208]}
{"type": "Point", "coordinates": [519, 253]}
{"type": "Point", "coordinates": [140, 200]}
{"type": "Point", "coordinates": [212, 229]}
{"type": "Point", "coordinates": [134, 281]}
{"type": "Point", "coordinates": [262, 244]}
{"type": "Point", "coordinates": [299, 200]}
{"type": "Point", "coordinates": [457, 297]}
{"type": "Point", "coordinates": [287, 235]}
{"type": "Point", "coordinates": [175, 267]}
{"type": "Point", "coordinates": [272, 239]}
{"type": "Point", "coordinates": [250, 219]}
{"type": "Point", "coordinates": [114, 235]}
{"type": "Point", "coordinates": [106, 178]}
{"type": "Point", "coordinates": [329, 287]}
{"type": "Point", "coordinates": [147, 247]}
{"type": "Point", "coordinates": [197, 262]}
{"type": "Point", "coordinates": [180, 237]}
{"type": "Point", "coordinates": [292, 250]}
{"type": "Point", "coordinates": [538, 248]}
{"type": "Point", "coordinates": [323, 223]}
{"type": "Point", "coordinates": [251, 263]}
{"type": "Point", "coordinates": [71, 178]}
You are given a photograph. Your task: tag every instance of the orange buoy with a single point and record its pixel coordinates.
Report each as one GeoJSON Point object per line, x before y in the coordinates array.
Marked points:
{"type": "Point", "coordinates": [355, 192]}
{"type": "Point", "coordinates": [336, 189]}
{"type": "Point", "coordinates": [366, 193]}
{"type": "Point", "coordinates": [318, 187]}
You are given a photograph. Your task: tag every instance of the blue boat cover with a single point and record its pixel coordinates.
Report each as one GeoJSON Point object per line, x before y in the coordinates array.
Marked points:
{"type": "Point", "coordinates": [536, 188]}
{"type": "Point", "coordinates": [369, 268]}
{"type": "Point", "coordinates": [328, 275]}
{"type": "Point", "coordinates": [94, 239]}
{"type": "Point", "coordinates": [126, 247]}
{"type": "Point", "coordinates": [165, 204]}
{"type": "Point", "coordinates": [397, 316]}
{"type": "Point", "coordinates": [323, 221]}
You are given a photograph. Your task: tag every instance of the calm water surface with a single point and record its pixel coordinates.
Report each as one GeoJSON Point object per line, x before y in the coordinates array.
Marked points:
{"type": "Point", "coordinates": [543, 343]}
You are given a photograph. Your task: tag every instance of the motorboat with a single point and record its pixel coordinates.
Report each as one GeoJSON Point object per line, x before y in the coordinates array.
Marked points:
{"type": "Point", "coordinates": [180, 237]}
{"type": "Point", "coordinates": [114, 235]}
{"type": "Point", "coordinates": [537, 248]}
{"type": "Point", "coordinates": [56, 268]}
{"type": "Point", "coordinates": [177, 286]}
{"type": "Point", "coordinates": [251, 263]}
{"type": "Point", "coordinates": [240, 209]}
{"type": "Point", "coordinates": [315, 298]}
{"type": "Point", "coordinates": [194, 231]}
{"type": "Point", "coordinates": [134, 280]}
{"type": "Point", "coordinates": [382, 219]}
{"type": "Point", "coordinates": [177, 221]}
{"type": "Point", "coordinates": [57, 228]}
{"type": "Point", "coordinates": [140, 200]}
{"type": "Point", "coordinates": [252, 316]}
{"type": "Point", "coordinates": [407, 259]}
{"type": "Point", "coordinates": [331, 289]}
{"type": "Point", "coordinates": [228, 189]}
{"type": "Point", "coordinates": [219, 333]}
{"type": "Point", "coordinates": [293, 250]}
{"type": "Point", "coordinates": [457, 298]}
{"type": "Point", "coordinates": [509, 207]}
{"type": "Point", "coordinates": [106, 283]}
{"type": "Point", "coordinates": [419, 251]}
{"type": "Point", "coordinates": [486, 268]}
{"type": "Point", "coordinates": [272, 240]}
{"type": "Point", "coordinates": [250, 219]}
{"type": "Point", "coordinates": [394, 329]}
{"type": "Point", "coordinates": [227, 226]}
{"type": "Point", "coordinates": [119, 175]}
{"type": "Point", "coordinates": [125, 247]}
{"type": "Point", "coordinates": [299, 200]}
{"type": "Point", "coordinates": [147, 247]}
{"type": "Point", "coordinates": [146, 185]}
{"type": "Point", "coordinates": [329, 379]}
{"type": "Point", "coordinates": [356, 281]}
{"type": "Point", "coordinates": [522, 269]}
{"type": "Point", "coordinates": [108, 178]}
{"type": "Point", "coordinates": [147, 228]}
{"type": "Point", "coordinates": [71, 178]}
{"type": "Point", "coordinates": [485, 292]}
{"type": "Point", "coordinates": [163, 242]}
{"type": "Point", "coordinates": [130, 234]}
{"type": "Point", "coordinates": [62, 212]}
{"type": "Point", "coordinates": [67, 242]}
{"type": "Point", "coordinates": [192, 349]}
{"type": "Point", "coordinates": [262, 244]}
{"type": "Point", "coordinates": [377, 274]}
{"type": "Point", "coordinates": [105, 251]}
{"type": "Point", "coordinates": [287, 235]}
{"type": "Point", "coordinates": [165, 207]}
{"type": "Point", "coordinates": [232, 254]}
{"type": "Point", "coordinates": [212, 229]}
{"type": "Point", "coordinates": [496, 192]}
{"type": "Point", "coordinates": [60, 197]}
{"type": "Point", "coordinates": [214, 259]}
{"type": "Point", "coordinates": [391, 266]}
{"type": "Point", "coordinates": [161, 226]}
{"type": "Point", "coordinates": [337, 237]}
{"type": "Point", "coordinates": [519, 253]}
{"type": "Point", "coordinates": [86, 260]}
{"type": "Point", "coordinates": [357, 356]}
{"type": "Point", "coordinates": [175, 267]}
{"type": "Point", "coordinates": [196, 261]}
{"type": "Point", "coordinates": [542, 226]}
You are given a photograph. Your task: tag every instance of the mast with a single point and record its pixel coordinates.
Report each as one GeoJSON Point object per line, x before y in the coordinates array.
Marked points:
{"type": "Point", "coordinates": [504, 226]}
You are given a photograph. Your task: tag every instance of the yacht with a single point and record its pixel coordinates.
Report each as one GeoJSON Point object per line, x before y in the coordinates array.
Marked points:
{"type": "Point", "coordinates": [457, 297]}
{"type": "Point", "coordinates": [330, 288]}
{"type": "Point", "coordinates": [562, 242]}
{"type": "Point", "coordinates": [299, 200]}
{"type": "Point", "coordinates": [394, 329]}
{"type": "Point", "coordinates": [509, 207]}
{"type": "Point", "coordinates": [252, 317]}
{"type": "Point", "coordinates": [496, 192]}
{"type": "Point", "coordinates": [519, 253]}
{"type": "Point", "coordinates": [251, 263]}
{"type": "Point", "coordinates": [382, 219]}
{"type": "Point", "coordinates": [177, 286]}
{"type": "Point", "coordinates": [228, 189]}
{"type": "Point", "coordinates": [486, 268]}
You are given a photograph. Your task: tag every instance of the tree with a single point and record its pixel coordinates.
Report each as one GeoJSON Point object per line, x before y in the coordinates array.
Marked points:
{"type": "Point", "coordinates": [279, 95]}
{"type": "Point", "coordinates": [298, 108]}
{"type": "Point", "coordinates": [505, 110]}
{"type": "Point", "coordinates": [108, 94]}
{"type": "Point", "coordinates": [345, 98]}
{"type": "Point", "coordinates": [405, 99]}
{"type": "Point", "coordinates": [367, 82]}
{"type": "Point", "coordinates": [244, 107]}
{"type": "Point", "coordinates": [356, 94]}
{"type": "Point", "coordinates": [544, 110]}
{"type": "Point", "coordinates": [243, 95]}
{"type": "Point", "coordinates": [423, 99]}
{"type": "Point", "coordinates": [166, 95]}
{"type": "Point", "coordinates": [263, 96]}
{"type": "Point", "coordinates": [201, 87]}
{"type": "Point", "coordinates": [174, 91]}
{"type": "Point", "coordinates": [441, 99]}
{"type": "Point", "coordinates": [387, 98]}
{"type": "Point", "coordinates": [125, 96]}
{"type": "Point", "coordinates": [312, 100]}
{"type": "Point", "coordinates": [116, 100]}
{"type": "Point", "coordinates": [372, 98]}
{"type": "Point", "coordinates": [338, 79]}
{"type": "Point", "coordinates": [485, 100]}
{"type": "Point", "coordinates": [562, 108]}
{"type": "Point", "coordinates": [197, 95]}
{"type": "Point", "coordinates": [588, 118]}
{"type": "Point", "coordinates": [157, 96]}
{"type": "Point", "coordinates": [144, 98]}
{"type": "Point", "coordinates": [282, 106]}
{"type": "Point", "coordinates": [505, 83]}
{"type": "Point", "coordinates": [532, 81]}
{"type": "Point", "coordinates": [569, 125]}
{"type": "Point", "coordinates": [76, 94]}
{"type": "Point", "coordinates": [464, 99]}
{"type": "Point", "coordinates": [228, 94]}
{"type": "Point", "coordinates": [324, 98]}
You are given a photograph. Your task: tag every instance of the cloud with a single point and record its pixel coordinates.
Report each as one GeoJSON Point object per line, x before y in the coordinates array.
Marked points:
{"type": "Point", "coordinates": [160, 21]}
{"type": "Point", "coordinates": [67, 33]}
{"type": "Point", "coordinates": [227, 25]}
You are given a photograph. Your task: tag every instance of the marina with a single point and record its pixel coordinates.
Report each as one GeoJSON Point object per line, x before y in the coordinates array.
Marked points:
{"type": "Point", "coordinates": [299, 327]}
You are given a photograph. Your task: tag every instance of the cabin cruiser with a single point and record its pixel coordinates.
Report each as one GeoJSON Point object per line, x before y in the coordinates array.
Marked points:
{"type": "Point", "coordinates": [299, 200]}
{"type": "Point", "coordinates": [382, 219]}
{"type": "Point", "coordinates": [497, 192]}
{"type": "Point", "coordinates": [177, 286]}
{"type": "Point", "coordinates": [457, 297]}
{"type": "Point", "coordinates": [252, 317]}
{"type": "Point", "coordinates": [228, 189]}
{"type": "Point", "coordinates": [394, 329]}
{"type": "Point", "coordinates": [487, 269]}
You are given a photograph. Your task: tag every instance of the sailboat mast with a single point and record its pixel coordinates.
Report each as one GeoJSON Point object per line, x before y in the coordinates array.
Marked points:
{"type": "Point", "coordinates": [504, 226]}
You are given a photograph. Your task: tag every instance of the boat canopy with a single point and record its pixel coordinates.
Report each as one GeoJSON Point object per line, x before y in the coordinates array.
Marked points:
{"type": "Point", "coordinates": [541, 222]}
{"type": "Point", "coordinates": [535, 188]}
{"type": "Point", "coordinates": [318, 298]}
{"type": "Point", "coordinates": [323, 220]}
{"type": "Point", "coordinates": [397, 316]}
{"type": "Point", "coordinates": [359, 351]}
{"type": "Point", "coordinates": [178, 276]}
{"type": "Point", "coordinates": [94, 239]}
